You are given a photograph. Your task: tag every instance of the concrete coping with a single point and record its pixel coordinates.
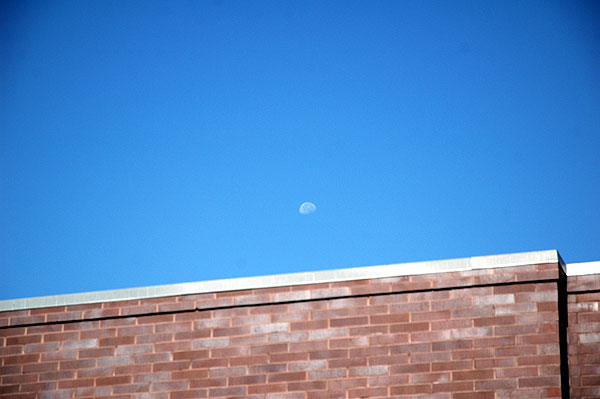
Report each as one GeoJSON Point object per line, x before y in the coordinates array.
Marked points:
{"type": "Point", "coordinates": [583, 269]}
{"type": "Point", "coordinates": [325, 276]}
{"type": "Point", "coordinates": [280, 280]}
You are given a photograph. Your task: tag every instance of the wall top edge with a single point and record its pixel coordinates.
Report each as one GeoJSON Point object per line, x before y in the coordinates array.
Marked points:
{"type": "Point", "coordinates": [279, 280]}
{"type": "Point", "coordinates": [583, 269]}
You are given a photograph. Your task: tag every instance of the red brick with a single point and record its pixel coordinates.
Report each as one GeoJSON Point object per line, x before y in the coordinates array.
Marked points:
{"type": "Point", "coordinates": [452, 345]}
{"type": "Point", "coordinates": [336, 385]}
{"type": "Point", "coordinates": [498, 362]}
{"type": "Point", "coordinates": [12, 332]}
{"type": "Point", "coordinates": [171, 366]}
{"type": "Point", "coordinates": [215, 392]}
{"type": "Point", "coordinates": [473, 354]}
{"type": "Point", "coordinates": [309, 325]}
{"type": "Point", "coordinates": [19, 379]}
{"type": "Point", "coordinates": [23, 340]}
{"type": "Point", "coordinates": [67, 316]}
{"type": "Point", "coordinates": [371, 289]}
{"type": "Point", "coordinates": [539, 381]}
{"type": "Point", "coordinates": [116, 341]}
{"type": "Point", "coordinates": [153, 338]}
{"type": "Point", "coordinates": [520, 350]}
{"type": "Point", "coordinates": [373, 330]}
{"type": "Point", "coordinates": [348, 303]}
{"type": "Point", "coordinates": [327, 374]}
{"type": "Point", "coordinates": [452, 365]}
{"type": "Point", "coordinates": [248, 360]}
{"type": "Point", "coordinates": [497, 384]}
{"type": "Point", "coordinates": [30, 368]}
{"type": "Point", "coordinates": [133, 369]}
{"type": "Point", "coordinates": [227, 371]}
{"type": "Point", "coordinates": [190, 394]}
{"type": "Point", "coordinates": [286, 377]}
{"type": "Point", "coordinates": [150, 357]}
{"type": "Point", "coordinates": [515, 330]}
{"type": "Point", "coordinates": [347, 362]}
{"type": "Point", "coordinates": [12, 350]}
{"type": "Point", "coordinates": [211, 343]}
{"type": "Point", "coordinates": [163, 318]}
{"type": "Point", "coordinates": [131, 388]}
{"type": "Point", "coordinates": [57, 375]}
{"type": "Point", "coordinates": [55, 309]}
{"type": "Point", "coordinates": [120, 304]}
{"type": "Point", "coordinates": [330, 292]}
{"type": "Point", "coordinates": [473, 375]}
{"type": "Point", "coordinates": [430, 315]}
{"type": "Point", "coordinates": [267, 388]}
{"type": "Point", "coordinates": [270, 309]}
{"type": "Point", "coordinates": [45, 347]}
{"type": "Point", "coordinates": [348, 321]}
{"type": "Point", "coordinates": [267, 349]}
{"type": "Point", "coordinates": [229, 352]}
{"type": "Point", "coordinates": [78, 383]}
{"type": "Point", "coordinates": [124, 379]}
{"type": "Point", "coordinates": [326, 394]}
{"type": "Point", "coordinates": [411, 348]}
{"type": "Point", "coordinates": [168, 385]}
{"type": "Point", "coordinates": [368, 371]}
{"type": "Point", "coordinates": [307, 386]}
{"type": "Point", "coordinates": [456, 386]}
{"type": "Point", "coordinates": [494, 321]}
{"type": "Point", "coordinates": [22, 359]}
{"type": "Point", "coordinates": [229, 331]}
{"type": "Point", "coordinates": [430, 336]}
{"type": "Point", "coordinates": [306, 306]}
{"type": "Point", "coordinates": [330, 354]}
{"type": "Point", "coordinates": [247, 380]}
{"type": "Point", "coordinates": [451, 324]}
{"type": "Point", "coordinates": [367, 392]}
{"type": "Point", "coordinates": [84, 325]}
{"type": "Point", "coordinates": [539, 360]}
{"type": "Point", "coordinates": [411, 389]}
{"type": "Point", "coordinates": [435, 378]}
{"type": "Point", "coordinates": [475, 312]}
{"type": "Point", "coordinates": [23, 320]}
{"type": "Point", "coordinates": [308, 346]}
{"type": "Point", "coordinates": [7, 389]}
{"type": "Point", "coordinates": [190, 355]}
{"type": "Point", "coordinates": [182, 326]}
{"type": "Point", "coordinates": [98, 352]}
{"type": "Point", "coordinates": [389, 319]}
{"type": "Point", "coordinates": [410, 368]}
{"type": "Point", "coordinates": [288, 337]}
{"type": "Point", "coordinates": [409, 327]}
{"type": "Point", "coordinates": [329, 314]}
{"type": "Point", "coordinates": [493, 342]}
{"type": "Point", "coordinates": [77, 364]}
{"type": "Point", "coordinates": [473, 395]}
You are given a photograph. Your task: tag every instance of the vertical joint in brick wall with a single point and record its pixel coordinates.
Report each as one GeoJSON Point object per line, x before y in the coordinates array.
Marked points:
{"type": "Point", "coordinates": [563, 324]}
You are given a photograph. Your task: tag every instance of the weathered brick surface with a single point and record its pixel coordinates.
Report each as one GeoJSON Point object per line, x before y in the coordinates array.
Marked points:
{"type": "Point", "coordinates": [584, 336]}
{"type": "Point", "coordinates": [479, 334]}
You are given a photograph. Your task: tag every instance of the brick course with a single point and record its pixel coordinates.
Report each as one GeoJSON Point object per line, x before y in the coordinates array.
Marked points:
{"type": "Point", "coordinates": [491, 333]}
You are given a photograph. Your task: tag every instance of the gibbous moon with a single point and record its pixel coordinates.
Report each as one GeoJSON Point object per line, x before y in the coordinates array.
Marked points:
{"type": "Point", "coordinates": [307, 208]}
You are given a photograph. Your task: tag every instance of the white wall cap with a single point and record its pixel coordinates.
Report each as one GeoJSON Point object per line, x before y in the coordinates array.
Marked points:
{"type": "Point", "coordinates": [584, 268]}
{"type": "Point", "coordinates": [280, 280]}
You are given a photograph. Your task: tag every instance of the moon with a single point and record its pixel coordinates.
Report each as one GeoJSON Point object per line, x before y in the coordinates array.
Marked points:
{"type": "Point", "coordinates": [307, 208]}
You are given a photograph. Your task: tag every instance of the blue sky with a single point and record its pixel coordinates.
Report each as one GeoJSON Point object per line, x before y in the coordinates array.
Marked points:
{"type": "Point", "coordinates": [147, 143]}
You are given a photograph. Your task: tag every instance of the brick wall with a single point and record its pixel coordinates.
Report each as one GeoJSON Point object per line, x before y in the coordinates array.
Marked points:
{"type": "Point", "coordinates": [491, 333]}
{"type": "Point", "coordinates": [584, 336]}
